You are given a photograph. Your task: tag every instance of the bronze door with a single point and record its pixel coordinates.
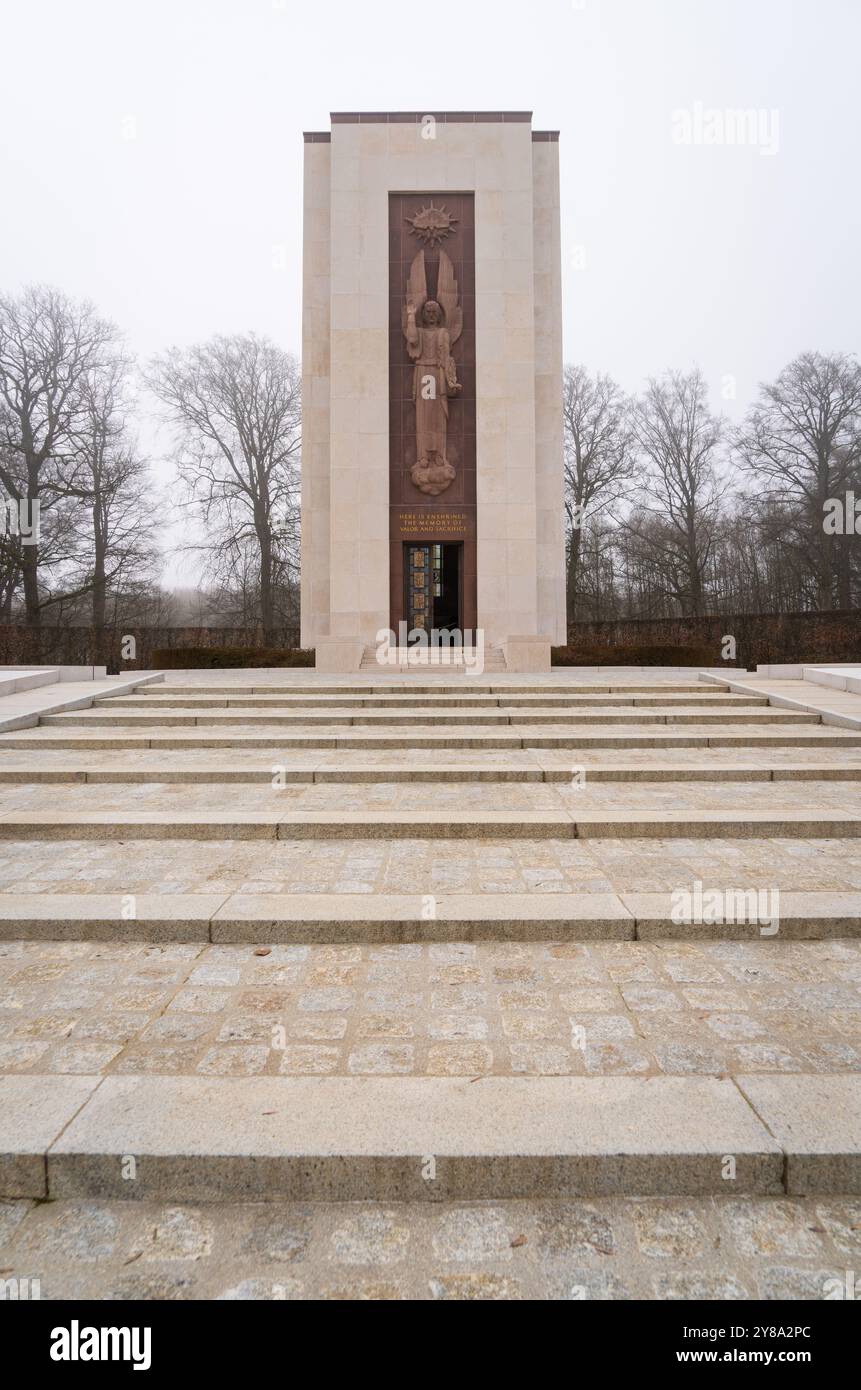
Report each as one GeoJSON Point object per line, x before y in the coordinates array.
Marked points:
{"type": "Point", "coordinates": [434, 587]}
{"type": "Point", "coordinates": [418, 577]}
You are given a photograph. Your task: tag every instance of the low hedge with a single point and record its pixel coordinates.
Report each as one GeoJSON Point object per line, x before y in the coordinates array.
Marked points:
{"type": "Point", "coordinates": [221, 658]}
{"type": "Point", "coordinates": [641, 655]}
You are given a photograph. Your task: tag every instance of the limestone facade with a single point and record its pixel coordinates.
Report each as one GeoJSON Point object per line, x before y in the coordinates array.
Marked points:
{"type": "Point", "coordinates": [513, 173]}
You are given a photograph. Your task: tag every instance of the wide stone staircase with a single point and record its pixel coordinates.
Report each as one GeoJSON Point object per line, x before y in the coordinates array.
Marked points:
{"type": "Point", "coordinates": [270, 936]}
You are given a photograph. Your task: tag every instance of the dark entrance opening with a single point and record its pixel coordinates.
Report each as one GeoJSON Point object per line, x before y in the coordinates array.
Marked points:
{"type": "Point", "coordinates": [433, 578]}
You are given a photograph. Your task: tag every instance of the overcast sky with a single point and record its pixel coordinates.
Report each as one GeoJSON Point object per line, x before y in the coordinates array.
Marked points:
{"type": "Point", "coordinates": [151, 155]}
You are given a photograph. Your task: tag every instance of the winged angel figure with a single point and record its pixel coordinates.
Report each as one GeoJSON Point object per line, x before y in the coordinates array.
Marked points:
{"type": "Point", "coordinates": [429, 344]}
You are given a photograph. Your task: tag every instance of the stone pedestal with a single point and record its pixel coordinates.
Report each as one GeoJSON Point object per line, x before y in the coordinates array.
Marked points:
{"type": "Point", "coordinates": [338, 654]}
{"type": "Point", "coordinates": [527, 654]}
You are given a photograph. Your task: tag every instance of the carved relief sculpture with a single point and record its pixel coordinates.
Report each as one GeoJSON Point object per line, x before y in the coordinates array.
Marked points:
{"type": "Point", "coordinates": [431, 328]}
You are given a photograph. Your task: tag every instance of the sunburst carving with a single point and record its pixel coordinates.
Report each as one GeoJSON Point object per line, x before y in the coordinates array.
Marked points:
{"type": "Point", "coordinates": [432, 225]}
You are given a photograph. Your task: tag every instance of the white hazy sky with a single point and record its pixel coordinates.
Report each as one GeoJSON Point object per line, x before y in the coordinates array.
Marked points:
{"type": "Point", "coordinates": [151, 154]}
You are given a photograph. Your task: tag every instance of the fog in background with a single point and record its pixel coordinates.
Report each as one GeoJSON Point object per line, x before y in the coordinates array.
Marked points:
{"type": "Point", "coordinates": [151, 161]}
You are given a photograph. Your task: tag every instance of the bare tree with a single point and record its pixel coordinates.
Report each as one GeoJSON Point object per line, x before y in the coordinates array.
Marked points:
{"type": "Point", "coordinates": [235, 404]}
{"type": "Point", "coordinates": [10, 573]}
{"type": "Point", "coordinates": [676, 510]}
{"type": "Point", "coordinates": [50, 348]}
{"type": "Point", "coordinates": [118, 518]}
{"type": "Point", "coordinates": [599, 460]}
{"type": "Point", "coordinates": [803, 441]}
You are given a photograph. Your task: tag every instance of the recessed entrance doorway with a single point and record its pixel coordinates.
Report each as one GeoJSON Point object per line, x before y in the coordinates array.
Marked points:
{"type": "Point", "coordinates": [433, 577]}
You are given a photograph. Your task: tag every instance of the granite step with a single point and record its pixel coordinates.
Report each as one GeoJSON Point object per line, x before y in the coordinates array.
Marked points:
{"type": "Point", "coordinates": [397, 1138]}
{"type": "Point", "coordinates": [390, 919]}
{"type": "Point", "coordinates": [657, 737]}
{"type": "Point", "coordinates": [461, 700]}
{"type": "Point", "coordinates": [153, 767]}
{"type": "Point", "coordinates": [108, 716]}
{"type": "Point", "coordinates": [429, 824]}
{"type": "Point", "coordinates": [412, 690]}
{"type": "Point", "coordinates": [575, 796]}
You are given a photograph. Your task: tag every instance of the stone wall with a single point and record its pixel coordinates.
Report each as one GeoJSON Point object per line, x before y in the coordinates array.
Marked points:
{"type": "Point", "coordinates": [761, 638]}
{"type": "Point", "coordinates": [80, 646]}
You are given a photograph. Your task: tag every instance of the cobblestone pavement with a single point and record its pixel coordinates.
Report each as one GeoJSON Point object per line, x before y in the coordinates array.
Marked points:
{"type": "Point", "coordinates": [426, 866]}
{"type": "Point", "coordinates": [468, 1009]}
{"type": "Point", "coordinates": [668, 1248]}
